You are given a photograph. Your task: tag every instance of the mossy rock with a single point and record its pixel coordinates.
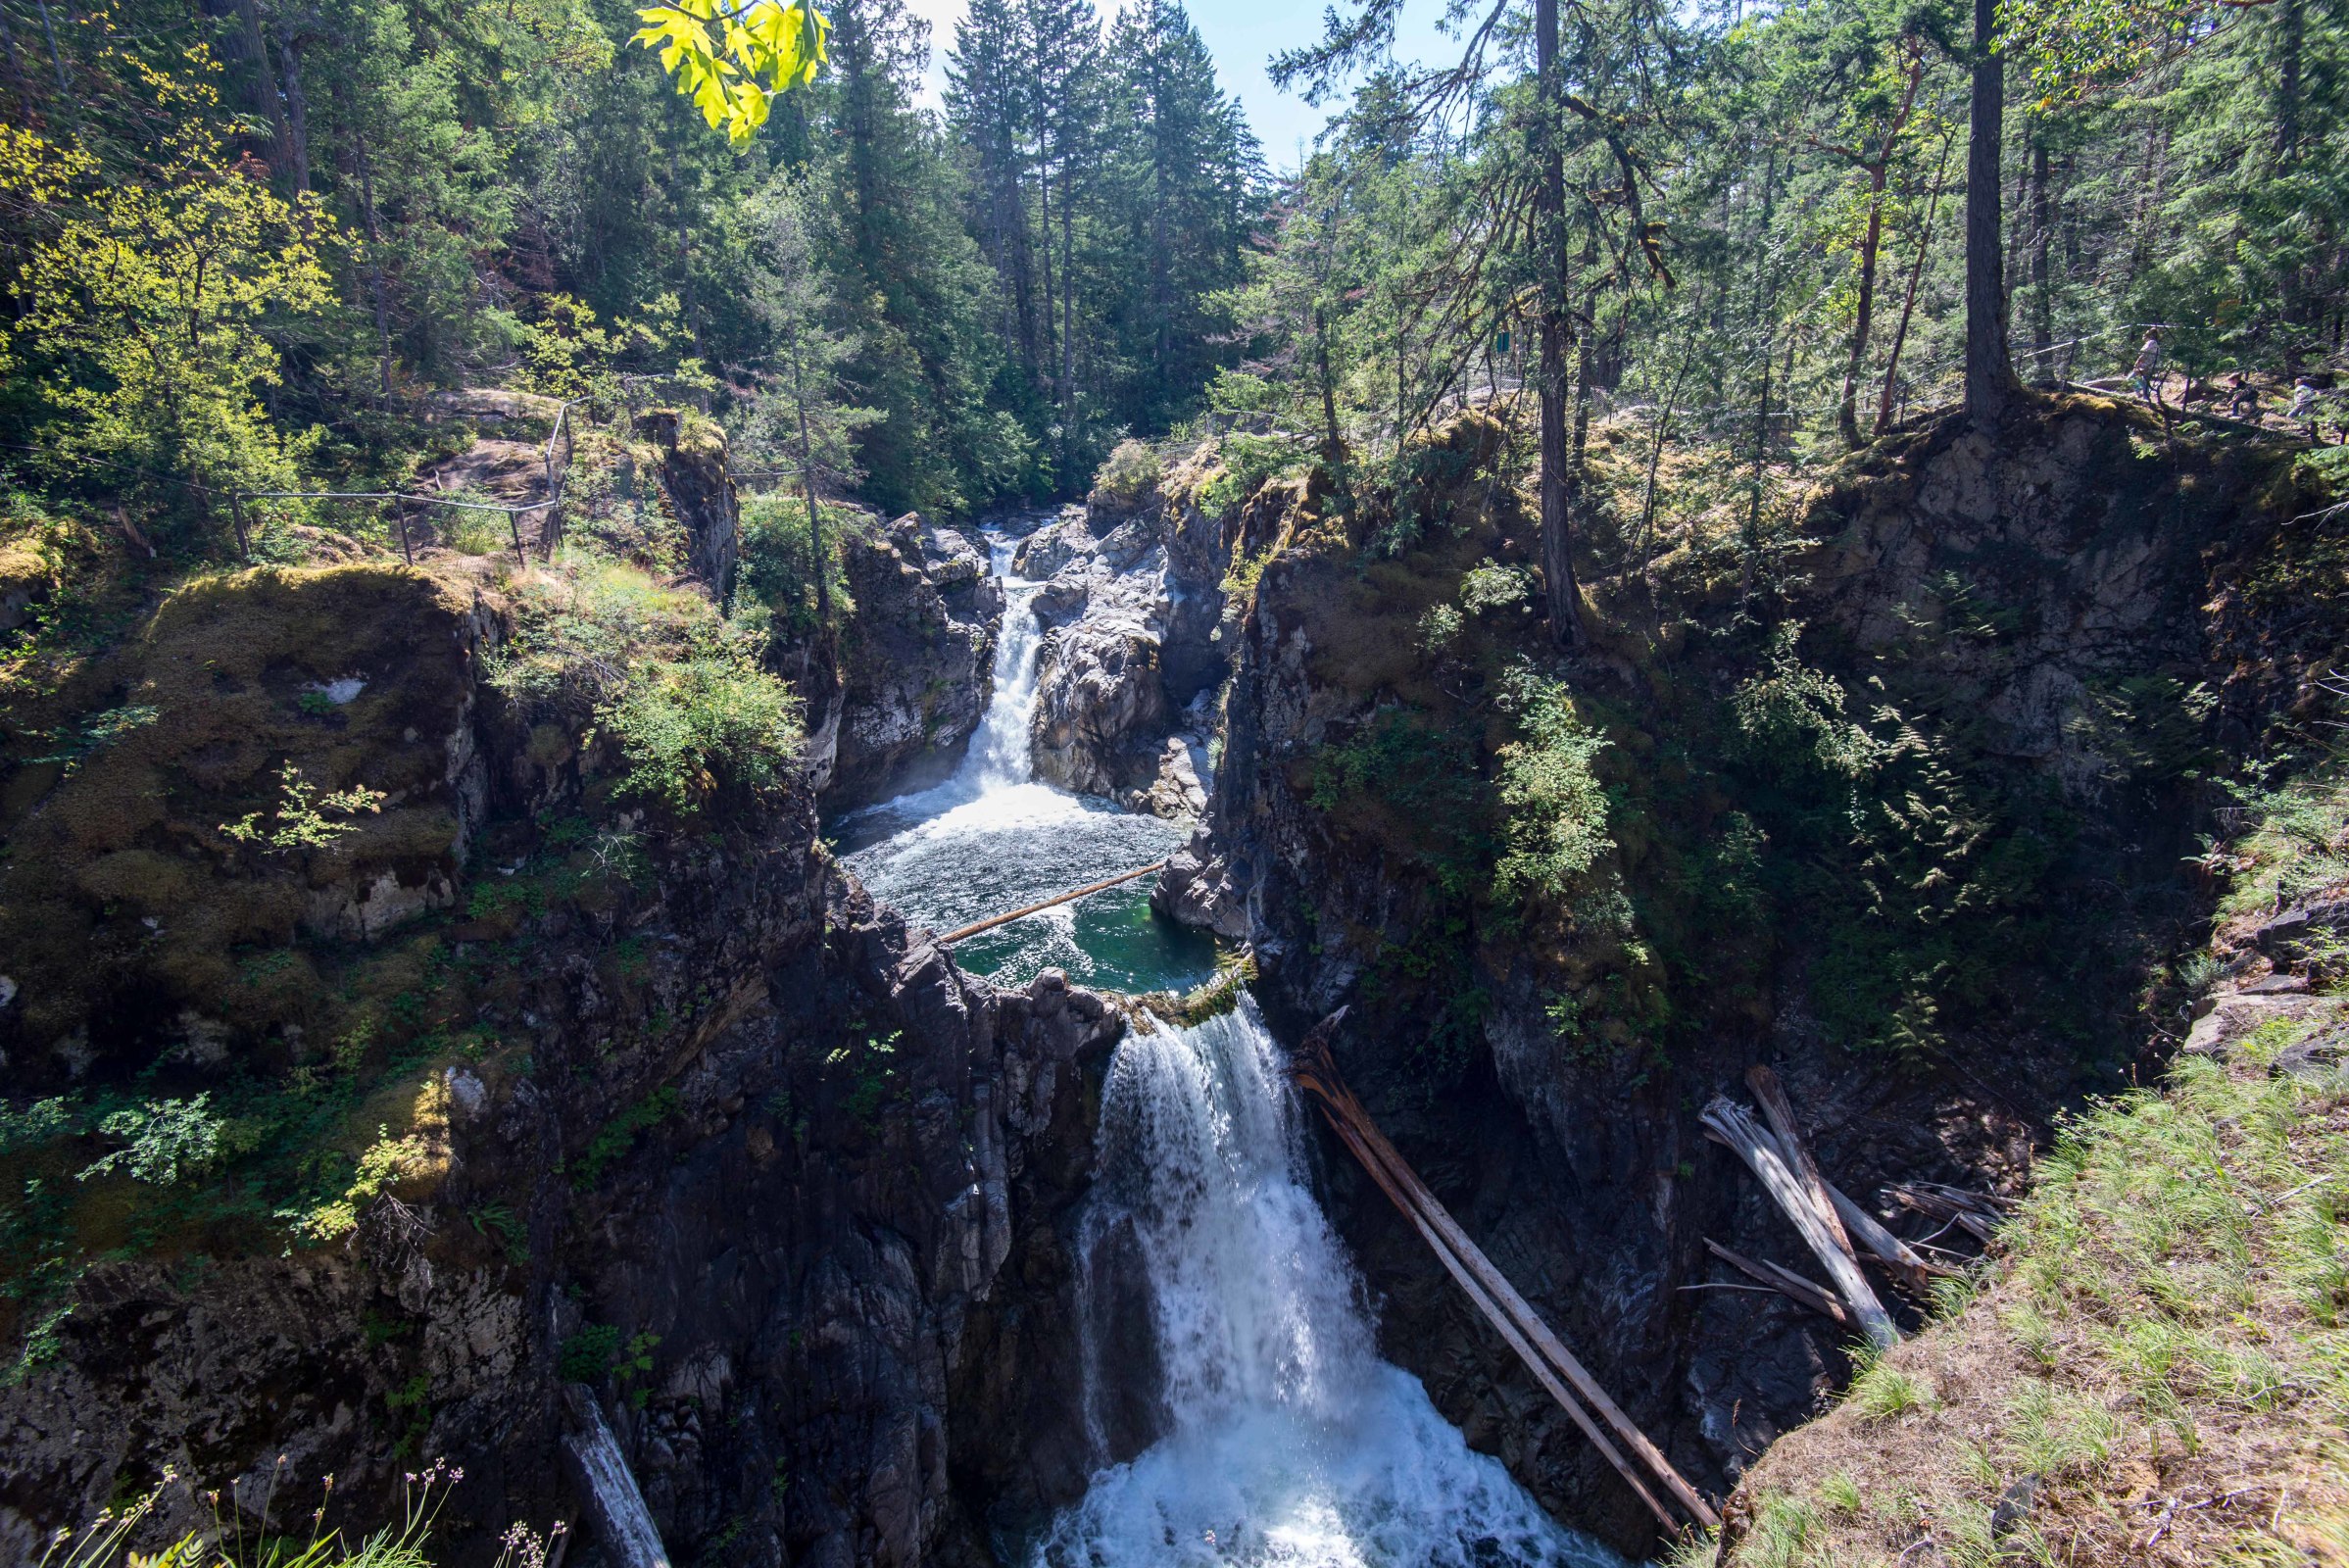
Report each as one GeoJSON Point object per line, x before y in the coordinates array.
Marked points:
{"type": "Point", "coordinates": [125, 901]}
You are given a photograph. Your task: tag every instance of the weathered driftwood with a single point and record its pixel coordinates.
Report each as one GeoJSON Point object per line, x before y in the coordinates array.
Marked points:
{"type": "Point", "coordinates": [1796, 1151]}
{"type": "Point", "coordinates": [1859, 1226]}
{"type": "Point", "coordinates": [1760, 1151]}
{"type": "Point", "coordinates": [1551, 1363]}
{"type": "Point", "coordinates": [1785, 1281]}
{"type": "Point", "coordinates": [1978, 1212]}
{"type": "Point", "coordinates": [988, 924]}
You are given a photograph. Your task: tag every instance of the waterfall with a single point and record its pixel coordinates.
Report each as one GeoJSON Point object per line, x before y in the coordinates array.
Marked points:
{"type": "Point", "coordinates": [1282, 1438]}
{"type": "Point", "coordinates": [992, 837]}
{"type": "Point", "coordinates": [998, 755]}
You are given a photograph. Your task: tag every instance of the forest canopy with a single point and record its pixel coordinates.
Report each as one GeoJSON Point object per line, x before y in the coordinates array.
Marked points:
{"type": "Point", "coordinates": [246, 241]}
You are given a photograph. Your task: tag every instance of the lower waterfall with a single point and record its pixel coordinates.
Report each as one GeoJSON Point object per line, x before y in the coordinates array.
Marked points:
{"type": "Point", "coordinates": [1282, 1438]}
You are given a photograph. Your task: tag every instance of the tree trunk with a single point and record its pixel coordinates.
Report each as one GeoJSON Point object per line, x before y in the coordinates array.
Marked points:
{"type": "Point", "coordinates": [1557, 519]}
{"type": "Point", "coordinates": [816, 562]}
{"type": "Point", "coordinates": [16, 62]}
{"type": "Point", "coordinates": [297, 114]}
{"type": "Point", "coordinates": [1847, 412]}
{"type": "Point", "coordinates": [1908, 306]}
{"type": "Point", "coordinates": [49, 30]}
{"type": "Point", "coordinates": [367, 212]}
{"type": "Point", "coordinates": [1990, 385]}
{"type": "Point", "coordinates": [2043, 310]}
{"type": "Point", "coordinates": [1766, 302]}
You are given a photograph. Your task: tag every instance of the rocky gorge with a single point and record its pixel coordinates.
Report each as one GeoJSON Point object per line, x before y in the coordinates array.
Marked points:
{"type": "Point", "coordinates": [682, 1130]}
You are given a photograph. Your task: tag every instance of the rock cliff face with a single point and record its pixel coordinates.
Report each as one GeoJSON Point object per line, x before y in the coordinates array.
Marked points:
{"type": "Point", "coordinates": [834, 1245]}
{"type": "Point", "coordinates": [1133, 602]}
{"type": "Point", "coordinates": [915, 660]}
{"type": "Point", "coordinates": [701, 493]}
{"type": "Point", "coordinates": [673, 1119]}
{"type": "Point", "coordinates": [2057, 627]}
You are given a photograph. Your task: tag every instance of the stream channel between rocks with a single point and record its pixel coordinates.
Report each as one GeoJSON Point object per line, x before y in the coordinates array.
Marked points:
{"type": "Point", "coordinates": [1270, 1432]}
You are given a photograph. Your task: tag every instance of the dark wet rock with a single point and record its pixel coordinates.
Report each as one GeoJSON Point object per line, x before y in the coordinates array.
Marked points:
{"type": "Point", "coordinates": [915, 660]}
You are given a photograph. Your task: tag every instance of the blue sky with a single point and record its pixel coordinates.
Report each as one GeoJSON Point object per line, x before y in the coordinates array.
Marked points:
{"type": "Point", "coordinates": [1243, 34]}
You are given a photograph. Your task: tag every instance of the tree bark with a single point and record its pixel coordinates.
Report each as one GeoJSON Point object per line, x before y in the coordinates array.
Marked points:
{"type": "Point", "coordinates": [367, 212]}
{"type": "Point", "coordinates": [1990, 384]}
{"type": "Point", "coordinates": [1557, 521]}
{"type": "Point", "coordinates": [1908, 306]}
{"type": "Point", "coordinates": [816, 562]}
{"type": "Point", "coordinates": [2042, 309]}
{"type": "Point", "coordinates": [1847, 412]}
{"type": "Point", "coordinates": [297, 114]}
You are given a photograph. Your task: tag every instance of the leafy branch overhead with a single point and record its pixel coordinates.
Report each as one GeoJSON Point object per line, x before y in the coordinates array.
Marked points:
{"type": "Point", "coordinates": [766, 49]}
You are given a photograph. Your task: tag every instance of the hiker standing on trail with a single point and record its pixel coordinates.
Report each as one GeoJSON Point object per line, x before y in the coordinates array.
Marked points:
{"type": "Point", "coordinates": [2303, 411]}
{"type": "Point", "coordinates": [2148, 369]}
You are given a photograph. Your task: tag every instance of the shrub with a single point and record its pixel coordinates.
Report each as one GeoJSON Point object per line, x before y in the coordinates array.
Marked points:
{"type": "Point", "coordinates": [688, 729]}
{"type": "Point", "coordinates": [163, 1140]}
{"type": "Point", "coordinates": [1248, 462]}
{"type": "Point", "coordinates": [587, 1355]}
{"type": "Point", "coordinates": [1555, 823]}
{"type": "Point", "coordinates": [778, 566]}
{"type": "Point", "coordinates": [1129, 478]}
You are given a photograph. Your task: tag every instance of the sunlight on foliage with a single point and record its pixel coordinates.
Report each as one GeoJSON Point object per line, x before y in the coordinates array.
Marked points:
{"type": "Point", "coordinates": [1557, 825]}
{"type": "Point", "coordinates": [769, 49]}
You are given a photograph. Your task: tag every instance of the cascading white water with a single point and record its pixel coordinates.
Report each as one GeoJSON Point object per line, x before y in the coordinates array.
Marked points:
{"type": "Point", "coordinates": [998, 755]}
{"type": "Point", "coordinates": [992, 839]}
{"type": "Point", "coordinates": [1287, 1441]}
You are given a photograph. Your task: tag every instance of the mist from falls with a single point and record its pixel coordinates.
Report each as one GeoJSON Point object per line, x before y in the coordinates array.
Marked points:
{"type": "Point", "coordinates": [1284, 1438]}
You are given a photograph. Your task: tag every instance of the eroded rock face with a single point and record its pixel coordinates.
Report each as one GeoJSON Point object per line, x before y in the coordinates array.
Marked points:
{"type": "Point", "coordinates": [1133, 611]}
{"type": "Point", "coordinates": [837, 1238]}
{"type": "Point", "coordinates": [2046, 576]}
{"type": "Point", "coordinates": [701, 493]}
{"type": "Point", "coordinates": [914, 662]}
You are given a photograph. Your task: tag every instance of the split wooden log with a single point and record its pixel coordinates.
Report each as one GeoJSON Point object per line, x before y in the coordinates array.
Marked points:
{"type": "Point", "coordinates": [1785, 1281]}
{"type": "Point", "coordinates": [1885, 1248]}
{"type": "Point", "coordinates": [1487, 1287]}
{"type": "Point", "coordinates": [1760, 1151]}
{"type": "Point", "coordinates": [1853, 1223]}
{"type": "Point", "coordinates": [1796, 1151]}
{"type": "Point", "coordinates": [1977, 1212]}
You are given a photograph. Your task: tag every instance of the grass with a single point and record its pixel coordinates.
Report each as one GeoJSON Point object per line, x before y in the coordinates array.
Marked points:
{"type": "Point", "coordinates": [2155, 1367]}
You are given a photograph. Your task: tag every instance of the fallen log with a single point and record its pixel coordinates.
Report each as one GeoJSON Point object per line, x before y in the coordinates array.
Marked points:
{"type": "Point", "coordinates": [1796, 1151]}
{"type": "Point", "coordinates": [1977, 1212]}
{"type": "Point", "coordinates": [977, 926]}
{"type": "Point", "coordinates": [1785, 1281]}
{"type": "Point", "coordinates": [1760, 1153]}
{"type": "Point", "coordinates": [1315, 1072]}
{"type": "Point", "coordinates": [1481, 1300]}
{"type": "Point", "coordinates": [1862, 1227]}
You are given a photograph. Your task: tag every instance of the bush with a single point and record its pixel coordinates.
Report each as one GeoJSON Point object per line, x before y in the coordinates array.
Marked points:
{"type": "Point", "coordinates": [1247, 462]}
{"type": "Point", "coordinates": [688, 729]}
{"type": "Point", "coordinates": [1555, 826]}
{"type": "Point", "coordinates": [678, 687]}
{"type": "Point", "coordinates": [1129, 479]}
{"type": "Point", "coordinates": [778, 567]}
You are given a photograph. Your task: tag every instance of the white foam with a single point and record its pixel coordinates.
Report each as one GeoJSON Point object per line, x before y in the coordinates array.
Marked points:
{"type": "Point", "coordinates": [1285, 1435]}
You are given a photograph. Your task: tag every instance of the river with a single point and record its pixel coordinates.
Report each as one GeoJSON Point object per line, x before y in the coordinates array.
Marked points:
{"type": "Point", "coordinates": [1283, 1440]}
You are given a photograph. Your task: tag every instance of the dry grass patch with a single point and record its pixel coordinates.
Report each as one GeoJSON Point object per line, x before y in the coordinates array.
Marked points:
{"type": "Point", "coordinates": [2157, 1372]}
